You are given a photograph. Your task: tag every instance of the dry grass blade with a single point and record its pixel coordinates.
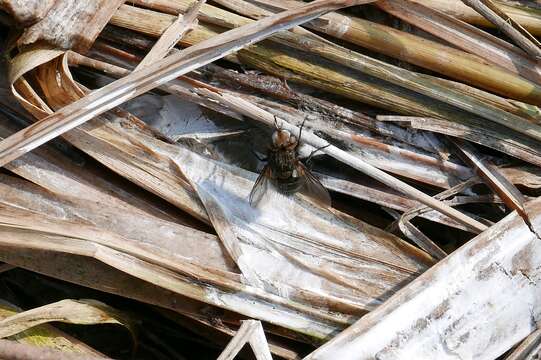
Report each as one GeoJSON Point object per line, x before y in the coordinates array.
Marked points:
{"type": "Point", "coordinates": [172, 35]}
{"type": "Point", "coordinates": [510, 195]}
{"type": "Point", "coordinates": [415, 234]}
{"type": "Point", "coordinates": [160, 72]}
{"type": "Point", "coordinates": [510, 27]}
{"type": "Point", "coordinates": [250, 332]}
{"type": "Point", "coordinates": [82, 312]}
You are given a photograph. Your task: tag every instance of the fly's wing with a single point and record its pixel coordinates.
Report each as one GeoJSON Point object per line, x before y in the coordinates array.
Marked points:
{"type": "Point", "coordinates": [261, 185]}
{"type": "Point", "coordinates": [313, 188]}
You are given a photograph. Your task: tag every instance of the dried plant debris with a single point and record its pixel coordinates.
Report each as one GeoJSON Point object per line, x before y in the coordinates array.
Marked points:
{"type": "Point", "coordinates": [437, 315]}
{"type": "Point", "coordinates": [351, 179]}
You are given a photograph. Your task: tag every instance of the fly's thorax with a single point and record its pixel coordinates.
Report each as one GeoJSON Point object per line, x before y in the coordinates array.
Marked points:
{"type": "Point", "coordinates": [282, 162]}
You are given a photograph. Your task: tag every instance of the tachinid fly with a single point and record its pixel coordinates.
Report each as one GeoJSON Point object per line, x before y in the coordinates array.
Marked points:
{"type": "Point", "coordinates": [285, 171]}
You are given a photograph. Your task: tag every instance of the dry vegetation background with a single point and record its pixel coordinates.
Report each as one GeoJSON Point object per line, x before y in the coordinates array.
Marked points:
{"type": "Point", "coordinates": [131, 133]}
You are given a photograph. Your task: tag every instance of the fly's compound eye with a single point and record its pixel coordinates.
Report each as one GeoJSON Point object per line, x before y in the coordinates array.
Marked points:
{"type": "Point", "coordinates": [292, 139]}
{"type": "Point", "coordinates": [275, 138]}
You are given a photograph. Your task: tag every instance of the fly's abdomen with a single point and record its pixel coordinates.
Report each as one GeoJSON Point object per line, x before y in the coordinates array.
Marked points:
{"type": "Point", "coordinates": [290, 185]}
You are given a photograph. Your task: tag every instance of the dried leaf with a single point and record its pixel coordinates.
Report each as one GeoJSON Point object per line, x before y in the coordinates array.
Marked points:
{"type": "Point", "coordinates": [45, 335]}
{"type": "Point", "coordinates": [82, 312]}
{"type": "Point", "coordinates": [479, 301]}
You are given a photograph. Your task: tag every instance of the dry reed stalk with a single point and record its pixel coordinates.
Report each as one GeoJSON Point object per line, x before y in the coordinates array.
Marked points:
{"type": "Point", "coordinates": [373, 148]}
{"type": "Point", "coordinates": [529, 18]}
{"type": "Point", "coordinates": [449, 61]}
{"type": "Point", "coordinates": [116, 71]}
{"type": "Point", "coordinates": [416, 82]}
{"type": "Point", "coordinates": [464, 36]}
{"type": "Point", "coordinates": [507, 25]}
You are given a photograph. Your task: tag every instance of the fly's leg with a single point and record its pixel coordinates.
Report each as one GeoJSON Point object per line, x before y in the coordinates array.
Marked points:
{"type": "Point", "coordinates": [300, 133]}
{"type": "Point", "coordinates": [276, 123]}
{"type": "Point", "coordinates": [309, 158]}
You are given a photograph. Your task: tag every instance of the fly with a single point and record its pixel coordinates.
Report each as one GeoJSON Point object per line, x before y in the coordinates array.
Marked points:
{"type": "Point", "coordinates": [286, 173]}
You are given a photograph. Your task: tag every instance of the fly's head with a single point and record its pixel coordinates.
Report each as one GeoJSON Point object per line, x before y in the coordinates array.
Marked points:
{"type": "Point", "coordinates": [282, 139]}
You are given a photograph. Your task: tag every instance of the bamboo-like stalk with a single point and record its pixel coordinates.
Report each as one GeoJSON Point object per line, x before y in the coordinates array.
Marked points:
{"type": "Point", "coordinates": [464, 36]}
{"type": "Point", "coordinates": [358, 88]}
{"type": "Point", "coordinates": [530, 19]}
{"type": "Point", "coordinates": [507, 25]}
{"type": "Point", "coordinates": [422, 84]}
